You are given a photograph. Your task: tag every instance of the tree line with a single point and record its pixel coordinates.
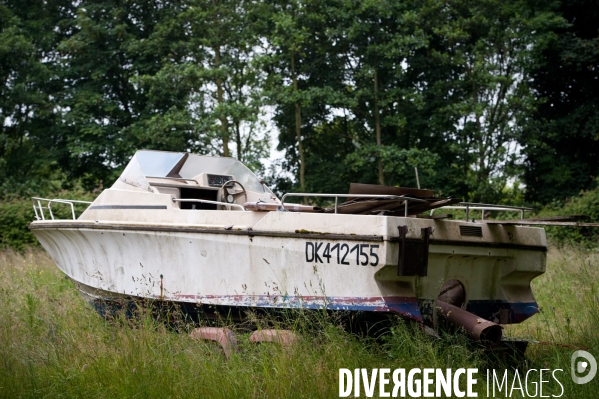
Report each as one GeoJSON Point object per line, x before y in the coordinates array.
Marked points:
{"type": "Point", "coordinates": [491, 100]}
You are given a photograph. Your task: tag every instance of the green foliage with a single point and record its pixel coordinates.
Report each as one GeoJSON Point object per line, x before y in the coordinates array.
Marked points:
{"type": "Point", "coordinates": [561, 141]}
{"type": "Point", "coordinates": [224, 80]}
{"type": "Point", "coordinates": [15, 216]}
{"type": "Point", "coordinates": [416, 77]}
{"type": "Point", "coordinates": [463, 90]}
{"type": "Point", "coordinates": [31, 137]}
{"type": "Point", "coordinates": [16, 213]}
{"type": "Point", "coordinates": [397, 162]}
{"type": "Point", "coordinates": [109, 108]}
{"type": "Point", "coordinates": [481, 49]}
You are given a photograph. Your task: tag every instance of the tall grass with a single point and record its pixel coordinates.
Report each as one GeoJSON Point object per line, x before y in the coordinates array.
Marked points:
{"type": "Point", "coordinates": [52, 344]}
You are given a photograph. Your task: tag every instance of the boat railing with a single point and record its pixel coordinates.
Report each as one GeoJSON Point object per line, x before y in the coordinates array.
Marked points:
{"type": "Point", "coordinates": [208, 202]}
{"type": "Point", "coordinates": [337, 196]}
{"type": "Point", "coordinates": [38, 206]}
{"type": "Point", "coordinates": [468, 206]}
{"type": "Point", "coordinates": [173, 178]}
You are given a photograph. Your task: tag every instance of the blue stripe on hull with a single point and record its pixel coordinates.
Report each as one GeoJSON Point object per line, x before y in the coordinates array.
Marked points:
{"type": "Point", "coordinates": [490, 310]}
{"type": "Point", "coordinates": [406, 306]}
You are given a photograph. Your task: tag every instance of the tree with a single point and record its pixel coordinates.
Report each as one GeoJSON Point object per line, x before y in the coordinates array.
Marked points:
{"type": "Point", "coordinates": [483, 50]}
{"type": "Point", "coordinates": [305, 76]}
{"type": "Point", "coordinates": [371, 64]}
{"type": "Point", "coordinates": [221, 47]}
{"type": "Point", "coordinates": [561, 141]}
{"type": "Point", "coordinates": [31, 135]}
{"type": "Point", "coordinates": [110, 112]}
{"type": "Point", "coordinates": [383, 36]}
{"type": "Point", "coordinates": [287, 45]}
{"type": "Point", "coordinates": [365, 90]}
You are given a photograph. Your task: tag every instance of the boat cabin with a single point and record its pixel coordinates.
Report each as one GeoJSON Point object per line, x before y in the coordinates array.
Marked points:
{"type": "Point", "coordinates": [194, 181]}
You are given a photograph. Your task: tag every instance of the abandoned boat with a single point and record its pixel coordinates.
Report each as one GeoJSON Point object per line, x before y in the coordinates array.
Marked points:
{"type": "Point", "coordinates": [205, 231]}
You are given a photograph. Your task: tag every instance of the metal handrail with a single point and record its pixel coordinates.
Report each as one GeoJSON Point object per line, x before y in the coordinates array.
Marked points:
{"type": "Point", "coordinates": [336, 196]}
{"type": "Point", "coordinates": [41, 216]}
{"type": "Point", "coordinates": [208, 202]}
{"type": "Point", "coordinates": [172, 178]}
{"type": "Point", "coordinates": [483, 207]}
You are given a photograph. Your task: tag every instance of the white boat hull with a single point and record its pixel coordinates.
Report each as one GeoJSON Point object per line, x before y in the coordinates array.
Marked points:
{"type": "Point", "coordinates": [266, 267]}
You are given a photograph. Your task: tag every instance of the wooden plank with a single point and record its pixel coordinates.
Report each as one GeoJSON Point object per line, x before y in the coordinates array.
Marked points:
{"type": "Point", "coordinates": [270, 206]}
{"type": "Point", "coordinates": [359, 188]}
{"type": "Point", "coordinates": [439, 216]}
{"type": "Point", "coordinates": [360, 207]}
{"type": "Point", "coordinates": [528, 222]}
{"type": "Point", "coordinates": [417, 208]}
{"type": "Point", "coordinates": [568, 218]}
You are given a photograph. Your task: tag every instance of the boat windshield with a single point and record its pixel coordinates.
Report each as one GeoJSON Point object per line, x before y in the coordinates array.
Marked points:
{"type": "Point", "coordinates": [188, 166]}
{"type": "Point", "coordinates": [158, 163]}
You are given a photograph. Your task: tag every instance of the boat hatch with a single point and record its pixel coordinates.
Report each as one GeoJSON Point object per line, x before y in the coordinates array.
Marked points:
{"type": "Point", "coordinates": [201, 194]}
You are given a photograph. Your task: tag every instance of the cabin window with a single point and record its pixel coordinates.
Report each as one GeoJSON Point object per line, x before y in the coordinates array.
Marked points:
{"type": "Point", "coordinates": [198, 193]}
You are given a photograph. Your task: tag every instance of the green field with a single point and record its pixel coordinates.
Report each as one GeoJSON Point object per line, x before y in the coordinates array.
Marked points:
{"type": "Point", "coordinates": [52, 344]}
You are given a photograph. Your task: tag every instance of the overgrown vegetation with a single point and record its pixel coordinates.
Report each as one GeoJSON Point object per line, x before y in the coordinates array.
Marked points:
{"type": "Point", "coordinates": [15, 216]}
{"type": "Point", "coordinates": [52, 344]}
{"type": "Point", "coordinates": [586, 204]}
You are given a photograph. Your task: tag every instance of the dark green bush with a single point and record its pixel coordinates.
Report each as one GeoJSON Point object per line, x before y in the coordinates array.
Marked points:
{"type": "Point", "coordinates": [587, 203]}
{"type": "Point", "coordinates": [15, 216]}
{"type": "Point", "coordinates": [17, 212]}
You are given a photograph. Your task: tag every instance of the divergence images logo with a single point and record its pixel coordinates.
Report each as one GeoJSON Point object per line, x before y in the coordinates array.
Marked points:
{"type": "Point", "coordinates": [579, 366]}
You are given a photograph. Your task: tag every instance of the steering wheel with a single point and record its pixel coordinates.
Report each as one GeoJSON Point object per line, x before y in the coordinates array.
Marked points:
{"type": "Point", "coordinates": [231, 197]}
